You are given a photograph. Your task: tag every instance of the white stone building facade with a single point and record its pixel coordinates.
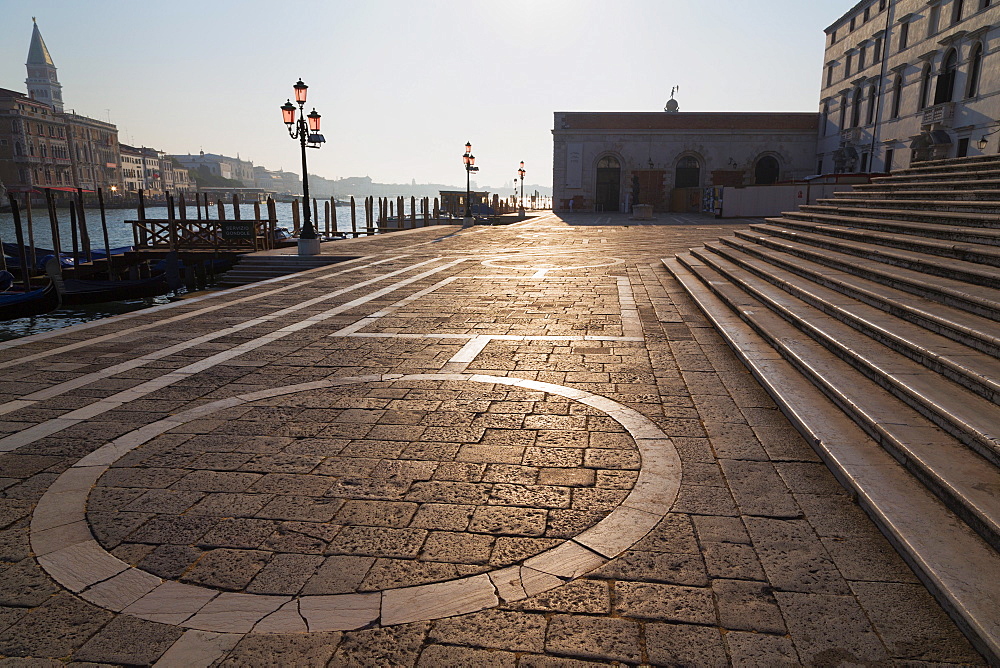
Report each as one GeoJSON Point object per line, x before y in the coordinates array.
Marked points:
{"type": "Point", "coordinates": [909, 80]}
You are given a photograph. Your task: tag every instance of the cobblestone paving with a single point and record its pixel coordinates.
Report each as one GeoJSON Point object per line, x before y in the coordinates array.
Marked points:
{"type": "Point", "coordinates": [499, 446]}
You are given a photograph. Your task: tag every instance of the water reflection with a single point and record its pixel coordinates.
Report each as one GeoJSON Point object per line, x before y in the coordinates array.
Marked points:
{"type": "Point", "coordinates": [72, 315]}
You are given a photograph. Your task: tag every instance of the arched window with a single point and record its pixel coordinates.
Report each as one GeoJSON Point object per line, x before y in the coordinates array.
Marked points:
{"type": "Point", "coordinates": [925, 87]}
{"type": "Point", "coordinates": [826, 118]}
{"type": "Point", "coordinates": [872, 90]}
{"type": "Point", "coordinates": [843, 113]}
{"type": "Point", "coordinates": [897, 94]}
{"type": "Point", "coordinates": [975, 69]}
{"type": "Point", "coordinates": [766, 171]}
{"type": "Point", "coordinates": [856, 109]}
{"type": "Point", "coordinates": [688, 173]}
{"type": "Point", "coordinates": [946, 80]}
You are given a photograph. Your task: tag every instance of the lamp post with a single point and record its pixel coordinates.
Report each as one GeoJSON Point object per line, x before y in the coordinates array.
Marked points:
{"type": "Point", "coordinates": [983, 141]}
{"type": "Point", "coordinates": [520, 172]}
{"type": "Point", "coordinates": [305, 128]}
{"type": "Point", "coordinates": [470, 166]}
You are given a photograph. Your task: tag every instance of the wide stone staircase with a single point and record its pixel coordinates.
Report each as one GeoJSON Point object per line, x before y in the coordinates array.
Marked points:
{"type": "Point", "coordinates": [256, 267]}
{"type": "Point", "coordinates": [873, 319]}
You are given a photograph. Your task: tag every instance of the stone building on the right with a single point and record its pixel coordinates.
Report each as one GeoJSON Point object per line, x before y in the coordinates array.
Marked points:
{"type": "Point", "coordinates": [909, 80]}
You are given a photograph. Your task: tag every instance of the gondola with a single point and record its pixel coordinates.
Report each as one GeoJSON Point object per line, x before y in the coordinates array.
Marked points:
{"type": "Point", "coordinates": [76, 291]}
{"type": "Point", "coordinates": [25, 304]}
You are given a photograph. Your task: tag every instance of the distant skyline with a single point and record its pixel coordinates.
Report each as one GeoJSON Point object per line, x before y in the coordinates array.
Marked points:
{"type": "Point", "coordinates": [402, 85]}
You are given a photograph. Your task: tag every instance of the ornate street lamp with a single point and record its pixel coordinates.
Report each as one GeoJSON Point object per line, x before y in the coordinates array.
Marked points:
{"type": "Point", "coordinates": [305, 128]}
{"type": "Point", "coordinates": [983, 141]}
{"type": "Point", "coordinates": [521, 174]}
{"type": "Point", "coordinates": [470, 166]}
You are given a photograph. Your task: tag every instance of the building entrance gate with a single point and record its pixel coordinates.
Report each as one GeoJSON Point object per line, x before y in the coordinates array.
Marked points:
{"type": "Point", "coordinates": [608, 190]}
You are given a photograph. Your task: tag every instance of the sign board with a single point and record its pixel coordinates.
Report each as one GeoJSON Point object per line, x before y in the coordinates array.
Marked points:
{"type": "Point", "coordinates": [238, 229]}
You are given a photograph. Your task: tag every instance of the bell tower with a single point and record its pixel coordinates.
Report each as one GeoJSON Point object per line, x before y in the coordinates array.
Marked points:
{"type": "Point", "coordinates": [43, 84]}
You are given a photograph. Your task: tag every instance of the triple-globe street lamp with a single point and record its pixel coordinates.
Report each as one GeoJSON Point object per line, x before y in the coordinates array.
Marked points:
{"type": "Point", "coordinates": [470, 166]}
{"type": "Point", "coordinates": [305, 128]}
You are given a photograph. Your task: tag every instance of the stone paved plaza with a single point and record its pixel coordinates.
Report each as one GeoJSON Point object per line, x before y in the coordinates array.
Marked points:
{"type": "Point", "coordinates": [498, 446]}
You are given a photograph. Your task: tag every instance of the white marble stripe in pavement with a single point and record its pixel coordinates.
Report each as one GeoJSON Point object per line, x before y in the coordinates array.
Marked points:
{"type": "Point", "coordinates": [367, 320]}
{"type": "Point", "coordinates": [95, 376]}
{"type": "Point", "coordinates": [41, 336]}
{"type": "Point", "coordinates": [56, 425]}
{"type": "Point", "coordinates": [631, 325]}
{"type": "Point", "coordinates": [167, 321]}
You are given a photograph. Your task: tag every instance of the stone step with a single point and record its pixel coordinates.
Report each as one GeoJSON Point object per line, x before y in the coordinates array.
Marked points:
{"type": "Point", "coordinates": [891, 405]}
{"type": "Point", "coordinates": [971, 219]}
{"type": "Point", "coordinates": [953, 185]}
{"type": "Point", "coordinates": [256, 268]}
{"type": "Point", "coordinates": [951, 164]}
{"type": "Point", "coordinates": [956, 324]}
{"type": "Point", "coordinates": [974, 370]}
{"type": "Point", "coordinates": [969, 195]}
{"type": "Point", "coordinates": [981, 301]}
{"type": "Point", "coordinates": [976, 253]}
{"type": "Point", "coordinates": [956, 564]}
{"type": "Point", "coordinates": [960, 270]}
{"type": "Point", "coordinates": [991, 207]}
{"type": "Point", "coordinates": [958, 233]}
{"type": "Point", "coordinates": [978, 173]}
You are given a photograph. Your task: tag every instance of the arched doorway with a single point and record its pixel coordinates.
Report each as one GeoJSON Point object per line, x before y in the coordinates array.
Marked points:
{"type": "Point", "coordinates": [686, 195]}
{"type": "Point", "coordinates": [688, 173]}
{"type": "Point", "coordinates": [607, 192]}
{"type": "Point", "coordinates": [766, 171]}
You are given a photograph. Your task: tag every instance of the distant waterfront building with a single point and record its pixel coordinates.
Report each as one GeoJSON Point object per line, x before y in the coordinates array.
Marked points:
{"type": "Point", "coordinates": [610, 161]}
{"type": "Point", "coordinates": [47, 146]}
{"type": "Point", "coordinates": [94, 151]}
{"type": "Point", "coordinates": [34, 149]}
{"type": "Point", "coordinates": [132, 169]}
{"type": "Point", "coordinates": [220, 165]}
{"type": "Point", "coordinates": [909, 80]}
{"type": "Point", "coordinates": [278, 181]}
{"type": "Point", "coordinates": [175, 176]}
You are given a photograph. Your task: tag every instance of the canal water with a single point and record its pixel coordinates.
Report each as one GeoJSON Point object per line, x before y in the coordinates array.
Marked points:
{"type": "Point", "coordinates": [120, 234]}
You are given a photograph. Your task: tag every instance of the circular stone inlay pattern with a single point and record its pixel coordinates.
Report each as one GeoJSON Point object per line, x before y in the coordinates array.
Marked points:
{"type": "Point", "coordinates": [367, 500]}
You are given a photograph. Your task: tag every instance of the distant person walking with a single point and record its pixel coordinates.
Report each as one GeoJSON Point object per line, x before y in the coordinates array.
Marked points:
{"type": "Point", "coordinates": [571, 206]}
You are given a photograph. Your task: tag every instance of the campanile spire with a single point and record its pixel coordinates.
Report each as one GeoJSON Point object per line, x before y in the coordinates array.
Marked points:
{"type": "Point", "coordinates": [43, 84]}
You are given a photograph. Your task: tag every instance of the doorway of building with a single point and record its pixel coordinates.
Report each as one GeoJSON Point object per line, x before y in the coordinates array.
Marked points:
{"type": "Point", "coordinates": [767, 170]}
{"type": "Point", "coordinates": [608, 191]}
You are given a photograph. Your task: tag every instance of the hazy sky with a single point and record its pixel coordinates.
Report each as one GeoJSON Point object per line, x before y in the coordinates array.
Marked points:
{"type": "Point", "coordinates": [403, 84]}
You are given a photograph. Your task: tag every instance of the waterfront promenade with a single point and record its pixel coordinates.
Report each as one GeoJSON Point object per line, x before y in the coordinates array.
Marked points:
{"type": "Point", "coordinates": [497, 446]}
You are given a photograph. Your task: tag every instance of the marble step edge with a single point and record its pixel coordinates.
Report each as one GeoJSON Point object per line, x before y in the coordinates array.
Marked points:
{"type": "Point", "coordinates": [970, 195]}
{"type": "Point", "coordinates": [950, 163]}
{"type": "Point", "coordinates": [974, 370]}
{"type": "Point", "coordinates": [985, 207]}
{"type": "Point", "coordinates": [989, 183]}
{"type": "Point", "coordinates": [967, 417]}
{"type": "Point", "coordinates": [950, 292]}
{"type": "Point", "coordinates": [968, 251]}
{"type": "Point", "coordinates": [964, 217]}
{"type": "Point", "coordinates": [974, 234]}
{"type": "Point", "coordinates": [967, 272]}
{"type": "Point", "coordinates": [959, 172]}
{"type": "Point", "coordinates": [952, 472]}
{"type": "Point", "coordinates": [954, 562]}
{"type": "Point", "coordinates": [879, 295]}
